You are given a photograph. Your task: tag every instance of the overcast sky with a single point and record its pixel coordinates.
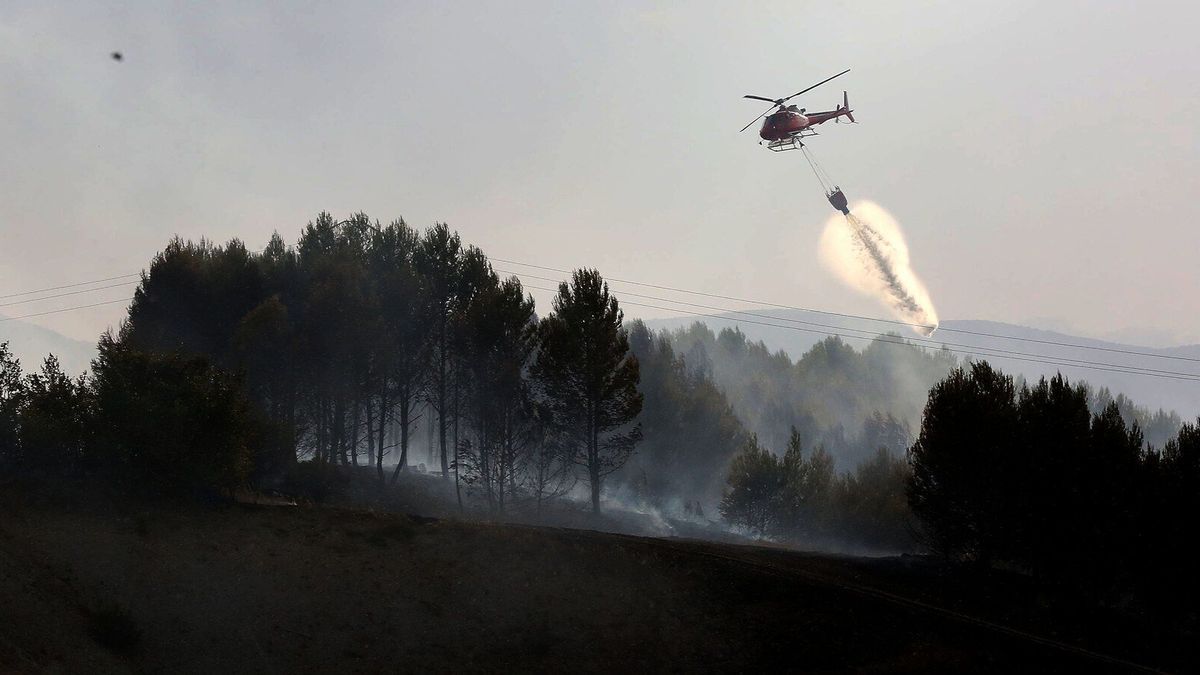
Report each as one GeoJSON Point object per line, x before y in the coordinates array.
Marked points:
{"type": "Point", "coordinates": [1041, 157]}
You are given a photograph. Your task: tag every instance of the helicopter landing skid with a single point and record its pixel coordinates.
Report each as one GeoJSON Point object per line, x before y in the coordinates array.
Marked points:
{"type": "Point", "coordinates": [791, 142]}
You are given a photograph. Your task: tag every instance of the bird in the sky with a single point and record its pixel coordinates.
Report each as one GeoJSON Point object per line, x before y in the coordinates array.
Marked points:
{"type": "Point", "coordinates": [116, 56]}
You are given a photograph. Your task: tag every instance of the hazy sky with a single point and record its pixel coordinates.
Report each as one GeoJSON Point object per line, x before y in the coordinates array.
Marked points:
{"type": "Point", "coordinates": [1042, 157]}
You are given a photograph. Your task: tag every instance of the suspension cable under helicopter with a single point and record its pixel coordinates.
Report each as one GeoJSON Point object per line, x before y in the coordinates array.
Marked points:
{"type": "Point", "coordinates": [818, 171]}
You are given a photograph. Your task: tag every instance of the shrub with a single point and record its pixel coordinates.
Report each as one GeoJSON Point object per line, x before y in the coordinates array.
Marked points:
{"type": "Point", "coordinates": [169, 423]}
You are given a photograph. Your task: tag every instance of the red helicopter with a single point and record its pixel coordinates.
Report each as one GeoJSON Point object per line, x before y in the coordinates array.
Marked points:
{"type": "Point", "coordinates": [786, 124]}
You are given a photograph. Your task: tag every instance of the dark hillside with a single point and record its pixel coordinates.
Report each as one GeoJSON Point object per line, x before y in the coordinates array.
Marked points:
{"type": "Point", "coordinates": [303, 589]}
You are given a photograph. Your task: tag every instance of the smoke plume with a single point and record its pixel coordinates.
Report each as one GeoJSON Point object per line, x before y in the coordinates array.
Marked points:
{"type": "Point", "coordinates": [866, 250]}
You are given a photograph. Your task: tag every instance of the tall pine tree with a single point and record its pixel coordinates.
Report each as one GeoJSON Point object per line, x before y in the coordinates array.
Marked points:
{"type": "Point", "coordinates": [589, 377]}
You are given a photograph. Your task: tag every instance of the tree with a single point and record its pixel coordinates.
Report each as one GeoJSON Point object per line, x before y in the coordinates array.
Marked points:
{"type": "Point", "coordinates": [12, 399]}
{"type": "Point", "coordinates": [1047, 464]}
{"type": "Point", "coordinates": [193, 297]}
{"type": "Point", "coordinates": [439, 260]}
{"type": "Point", "coordinates": [265, 343]}
{"type": "Point", "coordinates": [756, 483]}
{"type": "Point", "coordinates": [871, 503]}
{"type": "Point", "coordinates": [1107, 530]}
{"type": "Point", "coordinates": [337, 322]}
{"type": "Point", "coordinates": [403, 353]}
{"type": "Point", "coordinates": [1173, 510]}
{"type": "Point", "coordinates": [690, 432]}
{"type": "Point", "coordinates": [795, 495]}
{"type": "Point", "coordinates": [53, 421]}
{"type": "Point", "coordinates": [169, 423]}
{"type": "Point", "coordinates": [550, 470]}
{"type": "Point", "coordinates": [499, 338]}
{"type": "Point", "coordinates": [589, 377]}
{"type": "Point", "coordinates": [473, 284]}
{"type": "Point", "coordinates": [967, 438]}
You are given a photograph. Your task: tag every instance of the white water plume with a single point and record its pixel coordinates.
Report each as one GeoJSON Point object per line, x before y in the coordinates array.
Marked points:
{"type": "Point", "coordinates": [866, 250]}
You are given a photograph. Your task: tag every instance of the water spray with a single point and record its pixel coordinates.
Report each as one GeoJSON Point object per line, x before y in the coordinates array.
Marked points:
{"type": "Point", "coordinates": [867, 250]}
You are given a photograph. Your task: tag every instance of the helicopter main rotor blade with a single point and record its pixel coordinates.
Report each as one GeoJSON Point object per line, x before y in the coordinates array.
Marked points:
{"type": "Point", "coordinates": [761, 98]}
{"type": "Point", "coordinates": [781, 101]}
{"type": "Point", "coordinates": [759, 117]}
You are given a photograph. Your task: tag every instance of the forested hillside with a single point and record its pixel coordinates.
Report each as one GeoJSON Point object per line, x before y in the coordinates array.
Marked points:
{"type": "Point", "coordinates": [380, 346]}
{"type": "Point", "coordinates": [851, 402]}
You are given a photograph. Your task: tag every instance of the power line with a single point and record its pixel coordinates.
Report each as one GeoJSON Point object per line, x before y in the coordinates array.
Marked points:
{"type": "Point", "coordinates": [865, 318]}
{"type": "Point", "coordinates": [1187, 377]}
{"type": "Point", "coordinates": [933, 344]}
{"type": "Point", "coordinates": [880, 338]}
{"type": "Point", "coordinates": [63, 295]}
{"type": "Point", "coordinates": [997, 351]}
{"type": "Point", "coordinates": [65, 309]}
{"type": "Point", "coordinates": [57, 288]}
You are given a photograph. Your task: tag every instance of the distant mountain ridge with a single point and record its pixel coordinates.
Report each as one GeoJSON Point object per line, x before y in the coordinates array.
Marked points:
{"type": "Point", "coordinates": [31, 344]}
{"type": "Point", "coordinates": [796, 331]}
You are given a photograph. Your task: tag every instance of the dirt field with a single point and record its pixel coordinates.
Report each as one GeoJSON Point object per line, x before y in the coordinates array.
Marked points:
{"type": "Point", "coordinates": [318, 589]}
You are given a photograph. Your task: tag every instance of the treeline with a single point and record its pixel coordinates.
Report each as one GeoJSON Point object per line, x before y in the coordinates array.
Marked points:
{"type": "Point", "coordinates": [233, 366]}
{"type": "Point", "coordinates": [1158, 427]}
{"type": "Point", "coordinates": [830, 395]}
{"type": "Point", "coordinates": [150, 423]}
{"type": "Point", "coordinates": [802, 499]}
{"type": "Point", "coordinates": [831, 392]}
{"type": "Point", "coordinates": [334, 351]}
{"type": "Point", "coordinates": [300, 363]}
{"type": "Point", "coordinates": [1028, 476]}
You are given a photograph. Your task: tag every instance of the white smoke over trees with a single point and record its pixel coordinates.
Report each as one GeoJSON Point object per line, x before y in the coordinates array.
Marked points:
{"type": "Point", "coordinates": [866, 250]}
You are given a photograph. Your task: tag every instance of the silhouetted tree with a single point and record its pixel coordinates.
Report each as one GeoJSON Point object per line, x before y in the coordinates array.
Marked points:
{"type": "Point", "coordinates": [1043, 474]}
{"type": "Point", "coordinates": [806, 508]}
{"type": "Point", "coordinates": [871, 505]}
{"type": "Point", "coordinates": [53, 421]}
{"type": "Point", "coordinates": [1108, 528]}
{"type": "Point", "coordinates": [265, 343]}
{"type": "Point", "coordinates": [967, 438]}
{"type": "Point", "coordinates": [499, 339]}
{"type": "Point", "coordinates": [193, 297]}
{"type": "Point", "coordinates": [1173, 510]}
{"type": "Point", "coordinates": [439, 260]}
{"type": "Point", "coordinates": [403, 349]}
{"type": "Point", "coordinates": [12, 399]}
{"type": "Point", "coordinates": [474, 281]}
{"type": "Point", "coordinates": [167, 423]}
{"type": "Point", "coordinates": [589, 377]}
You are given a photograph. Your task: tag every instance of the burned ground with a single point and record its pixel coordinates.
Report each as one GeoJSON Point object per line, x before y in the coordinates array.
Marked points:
{"type": "Point", "coordinates": [310, 589]}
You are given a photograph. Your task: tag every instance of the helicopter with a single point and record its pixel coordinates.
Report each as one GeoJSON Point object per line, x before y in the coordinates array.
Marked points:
{"type": "Point", "coordinates": [787, 124]}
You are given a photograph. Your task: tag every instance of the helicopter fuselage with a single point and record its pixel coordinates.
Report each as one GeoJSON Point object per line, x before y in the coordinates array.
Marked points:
{"type": "Point", "coordinates": [788, 123]}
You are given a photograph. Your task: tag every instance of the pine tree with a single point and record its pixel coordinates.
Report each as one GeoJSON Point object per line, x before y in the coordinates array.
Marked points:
{"type": "Point", "coordinates": [12, 397]}
{"type": "Point", "coordinates": [589, 377]}
{"type": "Point", "coordinates": [967, 433]}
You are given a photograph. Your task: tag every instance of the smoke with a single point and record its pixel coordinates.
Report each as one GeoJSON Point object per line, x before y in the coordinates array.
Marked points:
{"type": "Point", "coordinates": [866, 250]}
